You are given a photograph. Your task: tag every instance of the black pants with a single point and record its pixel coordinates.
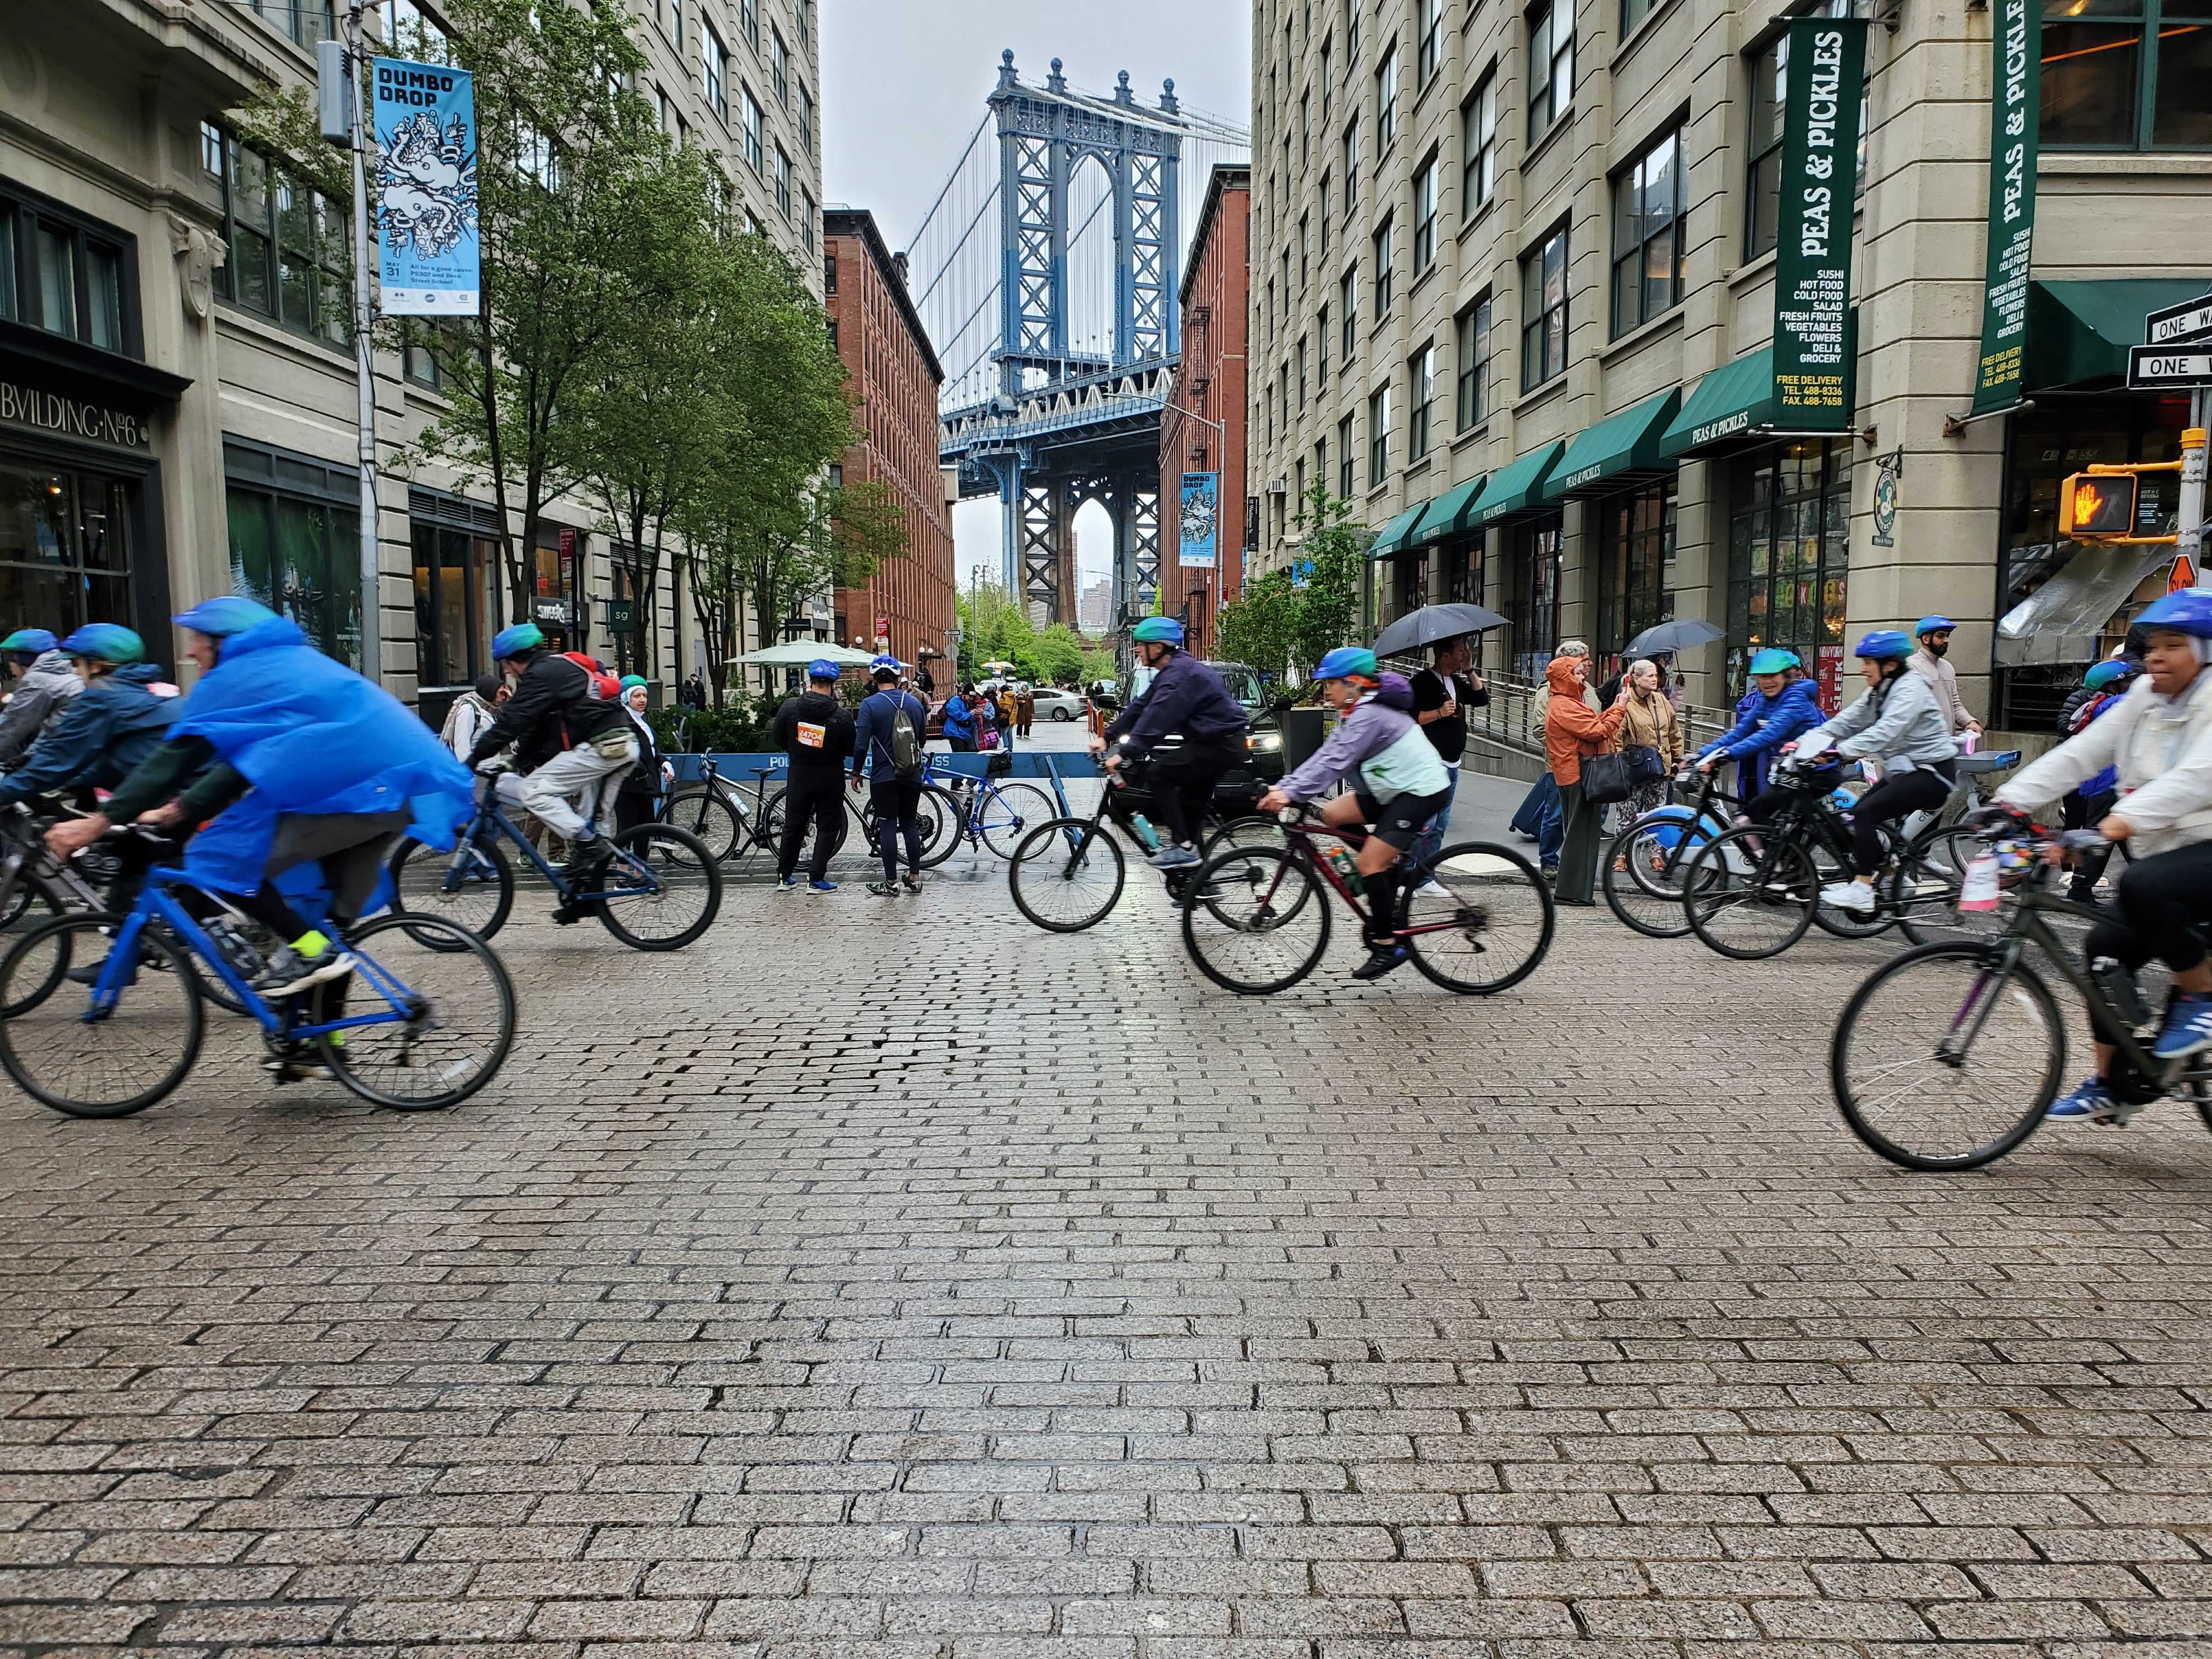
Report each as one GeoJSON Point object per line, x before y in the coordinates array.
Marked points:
{"type": "Point", "coordinates": [898, 801]}
{"type": "Point", "coordinates": [634, 807]}
{"type": "Point", "coordinates": [1898, 795]}
{"type": "Point", "coordinates": [2080, 811]}
{"type": "Point", "coordinates": [817, 802]}
{"type": "Point", "coordinates": [2162, 901]}
{"type": "Point", "coordinates": [1184, 785]}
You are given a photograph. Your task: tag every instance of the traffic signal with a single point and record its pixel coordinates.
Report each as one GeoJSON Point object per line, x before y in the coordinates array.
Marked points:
{"type": "Point", "coordinates": [2095, 507]}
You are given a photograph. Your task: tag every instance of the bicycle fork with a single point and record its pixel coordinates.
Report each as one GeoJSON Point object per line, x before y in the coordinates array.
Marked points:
{"type": "Point", "coordinates": [1981, 1002]}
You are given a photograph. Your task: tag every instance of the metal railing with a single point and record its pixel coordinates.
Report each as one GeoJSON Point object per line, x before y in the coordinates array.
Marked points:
{"type": "Point", "coordinates": [1514, 716]}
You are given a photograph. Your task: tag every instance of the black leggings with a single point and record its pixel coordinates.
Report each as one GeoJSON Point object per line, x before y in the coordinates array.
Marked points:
{"type": "Point", "coordinates": [1183, 787]}
{"type": "Point", "coordinates": [1896, 796]}
{"type": "Point", "coordinates": [2162, 901]}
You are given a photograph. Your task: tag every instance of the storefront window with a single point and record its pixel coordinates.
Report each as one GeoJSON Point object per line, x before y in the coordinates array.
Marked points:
{"type": "Point", "coordinates": [302, 559]}
{"type": "Point", "coordinates": [65, 549]}
{"type": "Point", "coordinates": [1463, 572]}
{"type": "Point", "coordinates": [1788, 558]}
{"type": "Point", "coordinates": [2127, 74]}
{"type": "Point", "coordinates": [1409, 583]}
{"type": "Point", "coordinates": [1534, 609]}
{"type": "Point", "coordinates": [452, 568]}
{"type": "Point", "coordinates": [1636, 567]}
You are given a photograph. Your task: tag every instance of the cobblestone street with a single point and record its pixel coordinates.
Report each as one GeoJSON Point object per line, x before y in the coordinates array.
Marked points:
{"type": "Point", "coordinates": [885, 1277]}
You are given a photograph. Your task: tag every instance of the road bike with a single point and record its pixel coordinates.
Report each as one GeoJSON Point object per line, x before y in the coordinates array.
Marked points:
{"type": "Point", "coordinates": [986, 810]}
{"type": "Point", "coordinates": [661, 892]}
{"type": "Point", "coordinates": [710, 812]}
{"type": "Point", "coordinates": [1641, 874]}
{"type": "Point", "coordinates": [1948, 1056]}
{"type": "Point", "coordinates": [1476, 918]}
{"type": "Point", "coordinates": [436, 1009]}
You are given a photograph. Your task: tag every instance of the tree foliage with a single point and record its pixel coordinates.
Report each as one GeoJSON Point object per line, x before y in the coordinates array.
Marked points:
{"type": "Point", "coordinates": [995, 628]}
{"type": "Point", "coordinates": [1277, 624]}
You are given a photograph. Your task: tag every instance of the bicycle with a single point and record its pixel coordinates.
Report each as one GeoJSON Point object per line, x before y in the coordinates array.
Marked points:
{"type": "Point", "coordinates": [984, 810]}
{"type": "Point", "coordinates": [1490, 903]}
{"type": "Point", "coordinates": [708, 810]}
{"type": "Point", "coordinates": [1915, 1043]}
{"type": "Point", "coordinates": [661, 892]}
{"type": "Point", "coordinates": [1750, 892]}
{"type": "Point", "coordinates": [418, 1047]}
{"type": "Point", "coordinates": [1642, 870]}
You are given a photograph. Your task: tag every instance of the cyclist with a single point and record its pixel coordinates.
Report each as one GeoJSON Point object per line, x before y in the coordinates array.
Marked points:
{"type": "Point", "coordinates": [1401, 784]}
{"type": "Point", "coordinates": [2102, 687]}
{"type": "Point", "coordinates": [1898, 722]}
{"type": "Point", "coordinates": [43, 682]}
{"type": "Point", "coordinates": [571, 745]}
{"type": "Point", "coordinates": [816, 732]}
{"type": "Point", "coordinates": [299, 761]}
{"type": "Point", "coordinates": [2160, 739]}
{"type": "Point", "coordinates": [1187, 697]}
{"type": "Point", "coordinates": [116, 723]}
{"type": "Point", "coordinates": [887, 745]}
{"type": "Point", "coordinates": [1779, 708]}
{"type": "Point", "coordinates": [1932, 636]}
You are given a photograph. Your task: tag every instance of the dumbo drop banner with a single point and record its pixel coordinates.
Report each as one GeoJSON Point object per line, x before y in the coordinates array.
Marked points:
{"type": "Point", "coordinates": [430, 262]}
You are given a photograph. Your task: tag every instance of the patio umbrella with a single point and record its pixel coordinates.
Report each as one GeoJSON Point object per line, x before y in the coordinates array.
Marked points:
{"type": "Point", "coordinates": [1677, 635]}
{"type": "Point", "coordinates": [1432, 623]}
{"type": "Point", "coordinates": [797, 653]}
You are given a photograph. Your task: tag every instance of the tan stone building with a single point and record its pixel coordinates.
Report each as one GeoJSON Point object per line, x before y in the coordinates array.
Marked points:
{"type": "Point", "coordinates": [1513, 294]}
{"type": "Point", "coordinates": [176, 383]}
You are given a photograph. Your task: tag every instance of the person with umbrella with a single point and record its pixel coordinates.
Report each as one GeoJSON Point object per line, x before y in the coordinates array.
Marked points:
{"type": "Point", "coordinates": [1443, 693]}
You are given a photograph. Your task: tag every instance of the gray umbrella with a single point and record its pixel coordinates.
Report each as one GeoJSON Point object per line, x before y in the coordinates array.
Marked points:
{"type": "Point", "coordinates": [1680, 634]}
{"type": "Point", "coordinates": [1432, 623]}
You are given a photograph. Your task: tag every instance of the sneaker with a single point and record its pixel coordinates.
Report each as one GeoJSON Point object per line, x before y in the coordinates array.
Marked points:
{"type": "Point", "coordinates": [2091, 1102]}
{"type": "Point", "coordinates": [821, 886]}
{"type": "Point", "coordinates": [1550, 872]}
{"type": "Point", "coordinates": [588, 856]}
{"type": "Point", "coordinates": [288, 973]}
{"type": "Point", "coordinates": [1381, 959]}
{"type": "Point", "coordinates": [1856, 897]}
{"type": "Point", "coordinates": [89, 974]}
{"type": "Point", "coordinates": [1433, 888]}
{"type": "Point", "coordinates": [1172, 858]}
{"type": "Point", "coordinates": [787, 883]}
{"type": "Point", "coordinates": [2188, 1026]}
{"type": "Point", "coordinates": [883, 889]}
{"type": "Point", "coordinates": [912, 881]}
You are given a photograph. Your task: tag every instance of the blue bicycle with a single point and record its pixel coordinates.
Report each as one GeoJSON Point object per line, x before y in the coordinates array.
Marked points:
{"type": "Point", "coordinates": [423, 1021]}
{"type": "Point", "coordinates": [662, 891]}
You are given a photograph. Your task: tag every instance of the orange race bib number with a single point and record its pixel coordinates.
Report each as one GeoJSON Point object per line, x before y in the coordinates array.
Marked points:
{"type": "Point", "coordinates": [811, 735]}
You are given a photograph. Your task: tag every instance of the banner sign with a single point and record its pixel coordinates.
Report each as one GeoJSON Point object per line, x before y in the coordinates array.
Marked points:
{"type": "Point", "coordinates": [1201, 518]}
{"type": "Point", "coordinates": [1822, 91]}
{"type": "Point", "coordinates": [2016, 120]}
{"type": "Point", "coordinates": [426, 189]}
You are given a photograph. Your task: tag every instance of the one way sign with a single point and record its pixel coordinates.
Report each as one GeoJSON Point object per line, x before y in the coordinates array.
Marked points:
{"type": "Point", "coordinates": [2181, 325]}
{"type": "Point", "coordinates": [2156, 366]}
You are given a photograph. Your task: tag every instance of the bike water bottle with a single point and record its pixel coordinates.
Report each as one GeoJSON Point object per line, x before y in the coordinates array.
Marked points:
{"type": "Point", "coordinates": [1341, 861]}
{"type": "Point", "coordinates": [1146, 833]}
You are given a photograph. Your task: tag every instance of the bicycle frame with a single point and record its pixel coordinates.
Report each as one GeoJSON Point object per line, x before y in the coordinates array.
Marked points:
{"type": "Point", "coordinates": [24, 856]}
{"type": "Point", "coordinates": [1303, 833]}
{"type": "Point", "coordinates": [487, 812]}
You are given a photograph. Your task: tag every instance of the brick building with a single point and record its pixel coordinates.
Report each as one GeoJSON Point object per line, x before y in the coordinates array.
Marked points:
{"type": "Point", "coordinates": [896, 376]}
{"type": "Point", "coordinates": [1202, 429]}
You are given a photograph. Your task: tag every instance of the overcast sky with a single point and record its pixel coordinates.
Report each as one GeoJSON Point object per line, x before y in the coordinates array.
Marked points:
{"type": "Point", "coordinates": [903, 85]}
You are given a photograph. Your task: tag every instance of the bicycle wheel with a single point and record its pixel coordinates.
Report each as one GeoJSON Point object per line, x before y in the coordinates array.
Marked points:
{"type": "Point", "coordinates": [1066, 875]}
{"type": "Point", "coordinates": [1255, 921]}
{"type": "Point", "coordinates": [31, 906]}
{"type": "Point", "coordinates": [772, 817]}
{"type": "Point", "coordinates": [1010, 812]}
{"type": "Point", "coordinates": [1848, 924]}
{"type": "Point", "coordinates": [1485, 918]}
{"type": "Point", "coordinates": [706, 816]}
{"type": "Point", "coordinates": [939, 844]}
{"type": "Point", "coordinates": [1641, 876]}
{"type": "Point", "coordinates": [678, 904]}
{"type": "Point", "coordinates": [457, 1014]}
{"type": "Point", "coordinates": [1942, 1061]}
{"type": "Point", "coordinates": [472, 886]}
{"type": "Point", "coordinates": [87, 1064]}
{"type": "Point", "coordinates": [1246, 829]}
{"type": "Point", "coordinates": [1750, 893]}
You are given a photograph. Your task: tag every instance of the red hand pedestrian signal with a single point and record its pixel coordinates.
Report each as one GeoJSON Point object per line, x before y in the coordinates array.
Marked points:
{"type": "Point", "coordinates": [2097, 507]}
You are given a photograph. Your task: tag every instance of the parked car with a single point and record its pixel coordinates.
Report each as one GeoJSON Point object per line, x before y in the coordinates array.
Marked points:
{"type": "Point", "coordinates": [1056, 703]}
{"type": "Point", "coordinates": [1263, 742]}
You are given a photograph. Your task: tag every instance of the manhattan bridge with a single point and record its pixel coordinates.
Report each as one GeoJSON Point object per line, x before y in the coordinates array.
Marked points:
{"type": "Point", "coordinates": [1046, 271]}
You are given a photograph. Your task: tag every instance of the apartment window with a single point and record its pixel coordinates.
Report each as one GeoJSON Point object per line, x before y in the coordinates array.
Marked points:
{"type": "Point", "coordinates": [417, 362]}
{"type": "Point", "coordinates": [1634, 12]}
{"type": "Point", "coordinates": [675, 23]}
{"type": "Point", "coordinates": [1649, 214]}
{"type": "Point", "coordinates": [807, 220]}
{"type": "Point", "coordinates": [1424, 215]}
{"type": "Point", "coordinates": [1306, 250]}
{"type": "Point", "coordinates": [806, 119]}
{"type": "Point", "coordinates": [1550, 64]}
{"type": "Point", "coordinates": [1268, 314]}
{"type": "Point", "coordinates": [1382, 271]}
{"type": "Point", "coordinates": [779, 67]}
{"type": "Point", "coordinates": [1471, 403]}
{"type": "Point", "coordinates": [1305, 126]}
{"type": "Point", "coordinates": [1348, 297]}
{"type": "Point", "coordinates": [1378, 437]}
{"type": "Point", "coordinates": [1327, 97]}
{"type": "Point", "coordinates": [714, 61]}
{"type": "Point", "coordinates": [1478, 147]}
{"type": "Point", "coordinates": [407, 34]}
{"type": "Point", "coordinates": [802, 13]}
{"type": "Point", "coordinates": [1345, 483]}
{"type": "Point", "coordinates": [306, 21]}
{"type": "Point", "coordinates": [1321, 463]}
{"type": "Point", "coordinates": [1324, 205]}
{"type": "Point", "coordinates": [2130, 75]}
{"type": "Point", "coordinates": [1420, 397]}
{"type": "Point", "coordinates": [288, 247]}
{"type": "Point", "coordinates": [62, 274]}
{"type": "Point", "coordinates": [1302, 372]}
{"type": "Point", "coordinates": [1544, 311]}
{"type": "Point", "coordinates": [782, 182]}
{"type": "Point", "coordinates": [1321, 351]}
{"type": "Point", "coordinates": [1352, 166]}
{"type": "Point", "coordinates": [829, 274]}
{"type": "Point", "coordinates": [749, 21]}
{"type": "Point", "coordinates": [1352, 32]}
{"type": "Point", "coordinates": [749, 110]}
{"type": "Point", "coordinates": [1386, 101]}
{"type": "Point", "coordinates": [1430, 53]}
{"type": "Point", "coordinates": [1770, 67]}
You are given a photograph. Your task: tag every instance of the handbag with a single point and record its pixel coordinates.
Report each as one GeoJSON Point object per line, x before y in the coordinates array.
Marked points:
{"type": "Point", "coordinates": [1644, 765]}
{"type": "Point", "coordinates": [1605, 779]}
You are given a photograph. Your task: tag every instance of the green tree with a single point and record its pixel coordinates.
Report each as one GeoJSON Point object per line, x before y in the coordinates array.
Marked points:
{"type": "Point", "coordinates": [1058, 654]}
{"type": "Point", "coordinates": [1261, 626]}
{"type": "Point", "coordinates": [1328, 610]}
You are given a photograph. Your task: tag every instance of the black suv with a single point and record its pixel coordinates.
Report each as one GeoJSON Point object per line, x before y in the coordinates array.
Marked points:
{"type": "Point", "coordinates": [1263, 741]}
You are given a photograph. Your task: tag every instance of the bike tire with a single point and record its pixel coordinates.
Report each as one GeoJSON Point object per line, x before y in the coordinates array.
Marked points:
{"type": "Point", "coordinates": [63, 1018]}
{"type": "Point", "coordinates": [1860, 1114]}
{"type": "Point", "coordinates": [1047, 855]}
{"type": "Point", "coordinates": [1731, 875]}
{"type": "Point", "coordinates": [708, 818]}
{"type": "Point", "coordinates": [678, 853]}
{"type": "Point", "coordinates": [1009, 813]}
{"type": "Point", "coordinates": [481, 906]}
{"type": "Point", "coordinates": [772, 817]}
{"type": "Point", "coordinates": [1641, 904]}
{"type": "Point", "coordinates": [457, 952]}
{"type": "Point", "coordinates": [1211, 892]}
{"type": "Point", "coordinates": [1245, 829]}
{"type": "Point", "coordinates": [23, 920]}
{"type": "Point", "coordinates": [939, 847]}
{"type": "Point", "coordinates": [1499, 882]}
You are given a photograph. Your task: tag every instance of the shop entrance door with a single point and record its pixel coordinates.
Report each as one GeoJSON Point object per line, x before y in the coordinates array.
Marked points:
{"type": "Point", "coordinates": [65, 548]}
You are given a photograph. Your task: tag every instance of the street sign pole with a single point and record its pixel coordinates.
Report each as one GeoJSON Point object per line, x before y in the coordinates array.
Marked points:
{"type": "Point", "coordinates": [2189, 531]}
{"type": "Point", "coordinates": [364, 345]}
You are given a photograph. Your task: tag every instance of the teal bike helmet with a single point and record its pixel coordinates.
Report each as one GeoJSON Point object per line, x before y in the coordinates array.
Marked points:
{"type": "Point", "coordinates": [108, 643]}
{"type": "Point", "coordinates": [1347, 662]}
{"type": "Point", "coordinates": [1157, 630]}
{"type": "Point", "coordinates": [1774, 660]}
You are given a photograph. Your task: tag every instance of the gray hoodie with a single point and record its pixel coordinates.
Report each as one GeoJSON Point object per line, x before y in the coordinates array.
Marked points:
{"type": "Point", "coordinates": [40, 697]}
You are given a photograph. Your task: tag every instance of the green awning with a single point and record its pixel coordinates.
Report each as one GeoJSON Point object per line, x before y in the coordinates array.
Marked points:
{"type": "Point", "coordinates": [1448, 514]}
{"type": "Point", "coordinates": [1513, 488]}
{"type": "Point", "coordinates": [1391, 538]}
{"type": "Point", "coordinates": [2081, 331]}
{"type": "Point", "coordinates": [1604, 455]}
{"type": "Point", "coordinates": [1735, 399]}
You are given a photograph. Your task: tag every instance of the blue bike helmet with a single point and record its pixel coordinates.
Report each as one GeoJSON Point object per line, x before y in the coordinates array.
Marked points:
{"type": "Point", "coordinates": [822, 669]}
{"type": "Point", "coordinates": [1932, 625]}
{"type": "Point", "coordinates": [884, 659]}
{"type": "Point", "coordinates": [1347, 662]}
{"type": "Point", "coordinates": [1884, 644]}
{"type": "Point", "coordinates": [2188, 611]}
{"type": "Point", "coordinates": [224, 615]}
{"type": "Point", "coordinates": [28, 642]}
{"type": "Point", "coordinates": [518, 641]}
{"type": "Point", "coordinates": [106, 643]}
{"type": "Point", "coordinates": [1157, 630]}
{"type": "Point", "coordinates": [2110, 671]}
{"type": "Point", "coordinates": [1774, 660]}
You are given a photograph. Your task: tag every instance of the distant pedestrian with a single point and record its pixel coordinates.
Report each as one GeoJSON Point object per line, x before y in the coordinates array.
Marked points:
{"type": "Point", "coordinates": [471, 712]}
{"type": "Point", "coordinates": [1649, 723]}
{"type": "Point", "coordinates": [638, 800]}
{"type": "Point", "coordinates": [1443, 693]}
{"type": "Point", "coordinates": [887, 750]}
{"type": "Point", "coordinates": [693, 693]}
{"type": "Point", "coordinates": [1025, 708]}
{"type": "Point", "coordinates": [1002, 707]}
{"type": "Point", "coordinates": [927, 683]}
{"type": "Point", "coordinates": [960, 725]}
{"type": "Point", "coordinates": [1574, 732]}
{"type": "Point", "coordinates": [816, 732]}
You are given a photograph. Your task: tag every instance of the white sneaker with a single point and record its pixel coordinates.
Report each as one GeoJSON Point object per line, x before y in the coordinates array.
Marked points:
{"type": "Point", "coordinates": [1433, 888]}
{"type": "Point", "coordinates": [1856, 897]}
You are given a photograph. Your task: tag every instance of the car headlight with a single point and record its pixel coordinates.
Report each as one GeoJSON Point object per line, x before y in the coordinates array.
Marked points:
{"type": "Point", "coordinates": [1263, 741]}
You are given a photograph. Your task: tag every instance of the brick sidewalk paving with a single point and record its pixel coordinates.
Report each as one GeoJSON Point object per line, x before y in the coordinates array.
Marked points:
{"type": "Point", "coordinates": [782, 1300]}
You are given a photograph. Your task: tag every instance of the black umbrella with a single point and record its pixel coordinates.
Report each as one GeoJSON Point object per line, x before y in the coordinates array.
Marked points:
{"type": "Point", "coordinates": [1417, 629]}
{"type": "Point", "coordinates": [1680, 634]}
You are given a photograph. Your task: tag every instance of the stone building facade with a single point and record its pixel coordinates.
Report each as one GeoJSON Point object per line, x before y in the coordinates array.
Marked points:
{"type": "Point", "coordinates": [1513, 289]}
{"type": "Point", "coordinates": [178, 411]}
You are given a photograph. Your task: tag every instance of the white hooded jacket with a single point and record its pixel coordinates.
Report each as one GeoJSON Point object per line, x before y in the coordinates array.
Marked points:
{"type": "Point", "coordinates": [2163, 748]}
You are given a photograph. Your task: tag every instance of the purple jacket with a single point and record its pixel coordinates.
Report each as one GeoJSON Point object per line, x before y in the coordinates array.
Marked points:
{"type": "Point", "coordinates": [1369, 726]}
